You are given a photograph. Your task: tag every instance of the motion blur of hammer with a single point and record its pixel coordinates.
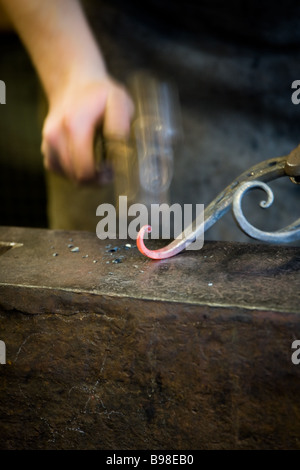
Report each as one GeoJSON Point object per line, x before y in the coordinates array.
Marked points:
{"type": "Point", "coordinates": [143, 166]}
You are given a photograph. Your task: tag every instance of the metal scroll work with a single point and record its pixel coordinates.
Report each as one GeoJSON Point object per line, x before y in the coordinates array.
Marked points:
{"type": "Point", "coordinates": [256, 177]}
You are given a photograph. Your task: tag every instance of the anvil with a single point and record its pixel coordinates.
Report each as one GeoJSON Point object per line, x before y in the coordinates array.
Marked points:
{"type": "Point", "coordinates": [108, 349]}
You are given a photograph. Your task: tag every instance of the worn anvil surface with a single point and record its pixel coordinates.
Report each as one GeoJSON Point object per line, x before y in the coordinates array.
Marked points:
{"type": "Point", "coordinates": [192, 352]}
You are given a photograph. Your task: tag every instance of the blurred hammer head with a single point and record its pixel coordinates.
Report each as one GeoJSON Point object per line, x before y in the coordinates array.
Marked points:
{"type": "Point", "coordinates": [156, 130]}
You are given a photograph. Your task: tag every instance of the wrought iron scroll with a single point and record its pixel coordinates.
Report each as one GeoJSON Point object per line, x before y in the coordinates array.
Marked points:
{"type": "Point", "coordinates": [256, 177]}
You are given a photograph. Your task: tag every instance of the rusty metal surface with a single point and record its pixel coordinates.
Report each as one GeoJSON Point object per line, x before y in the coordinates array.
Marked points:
{"type": "Point", "coordinates": [193, 352]}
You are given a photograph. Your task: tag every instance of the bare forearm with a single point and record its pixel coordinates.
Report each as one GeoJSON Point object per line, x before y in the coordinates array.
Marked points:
{"type": "Point", "coordinates": [81, 94]}
{"type": "Point", "coordinates": [58, 39]}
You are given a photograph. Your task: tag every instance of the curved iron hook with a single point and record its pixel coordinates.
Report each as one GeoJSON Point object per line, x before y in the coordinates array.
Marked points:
{"type": "Point", "coordinates": [256, 176]}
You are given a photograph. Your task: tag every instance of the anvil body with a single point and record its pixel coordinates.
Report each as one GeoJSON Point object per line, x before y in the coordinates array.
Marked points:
{"type": "Point", "coordinates": [107, 349]}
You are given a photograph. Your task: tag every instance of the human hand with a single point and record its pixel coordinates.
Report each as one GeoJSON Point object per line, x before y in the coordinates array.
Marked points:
{"type": "Point", "coordinates": [75, 113]}
{"type": "Point", "coordinates": [81, 94]}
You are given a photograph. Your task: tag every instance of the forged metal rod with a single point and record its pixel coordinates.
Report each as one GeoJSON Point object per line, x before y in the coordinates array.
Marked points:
{"type": "Point", "coordinates": [255, 176]}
